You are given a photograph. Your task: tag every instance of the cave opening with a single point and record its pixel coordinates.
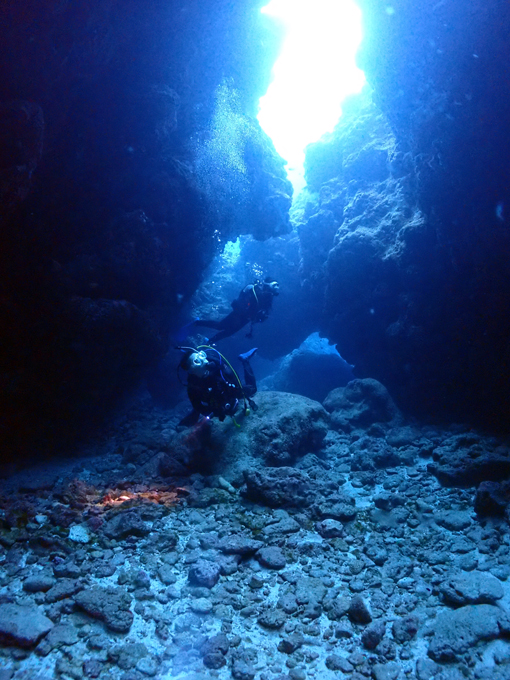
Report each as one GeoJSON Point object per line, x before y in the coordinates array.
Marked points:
{"type": "Point", "coordinates": [313, 74]}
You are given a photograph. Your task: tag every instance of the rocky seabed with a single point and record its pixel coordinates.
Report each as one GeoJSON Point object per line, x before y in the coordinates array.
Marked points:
{"type": "Point", "coordinates": [348, 564]}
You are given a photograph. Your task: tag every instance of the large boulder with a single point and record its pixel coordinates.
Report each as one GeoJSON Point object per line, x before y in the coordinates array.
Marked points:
{"type": "Point", "coordinates": [283, 428]}
{"type": "Point", "coordinates": [458, 631]}
{"type": "Point", "coordinates": [469, 459]}
{"type": "Point", "coordinates": [475, 587]}
{"type": "Point", "coordinates": [22, 625]}
{"type": "Point", "coordinates": [360, 404]}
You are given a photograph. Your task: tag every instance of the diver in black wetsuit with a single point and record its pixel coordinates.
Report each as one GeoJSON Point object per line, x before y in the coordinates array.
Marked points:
{"type": "Point", "coordinates": [252, 306]}
{"type": "Point", "coordinates": [214, 388]}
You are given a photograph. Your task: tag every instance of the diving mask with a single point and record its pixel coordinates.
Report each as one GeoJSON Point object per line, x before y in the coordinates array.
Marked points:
{"type": "Point", "coordinates": [197, 363]}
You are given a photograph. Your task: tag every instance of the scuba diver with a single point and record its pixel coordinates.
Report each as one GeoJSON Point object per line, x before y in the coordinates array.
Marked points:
{"type": "Point", "coordinates": [251, 306]}
{"type": "Point", "coordinates": [214, 388]}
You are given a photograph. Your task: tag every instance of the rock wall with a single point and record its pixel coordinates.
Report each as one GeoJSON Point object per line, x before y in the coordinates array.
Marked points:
{"type": "Point", "coordinates": [410, 199]}
{"type": "Point", "coordinates": [129, 154]}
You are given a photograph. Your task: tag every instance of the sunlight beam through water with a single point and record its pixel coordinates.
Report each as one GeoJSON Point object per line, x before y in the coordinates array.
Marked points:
{"type": "Point", "coordinates": [313, 74]}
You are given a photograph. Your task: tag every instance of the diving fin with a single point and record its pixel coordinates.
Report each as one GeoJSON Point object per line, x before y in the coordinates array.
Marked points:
{"type": "Point", "coordinates": [248, 355]}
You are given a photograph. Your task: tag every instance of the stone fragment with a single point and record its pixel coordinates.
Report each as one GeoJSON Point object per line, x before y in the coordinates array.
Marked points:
{"type": "Point", "coordinates": [312, 610]}
{"type": "Point", "coordinates": [229, 564]}
{"type": "Point", "coordinates": [103, 568]}
{"type": "Point", "coordinates": [473, 587]}
{"type": "Point", "coordinates": [388, 501]}
{"type": "Point", "coordinates": [141, 579]}
{"type": "Point", "coordinates": [272, 619]}
{"type": "Point", "coordinates": [22, 625]}
{"type": "Point", "coordinates": [239, 545]}
{"type": "Point", "coordinates": [386, 671]}
{"type": "Point", "coordinates": [40, 582]}
{"type": "Point", "coordinates": [271, 558]}
{"type": "Point", "coordinates": [63, 634]}
{"type": "Point", "coordinates": [243, 664]}
{"type": "Point", "coordinates": [343, 512]}
{"type": "Point", "coordinates": [309, 589]}
{"type": "Point", "coordinates": [63, 588]}
{"type": "Point", "coordinates": [358, 610]}
{"type": "Point", "coordinates": [209, 540]}
{"type": "Point", "coordinates": [426, 669]}
{"type": "Point", "coordinates": [256, 581]}
{"type": "Point", "coordinates": [335, 662]}
{"type": "Point", "coordinates": [330, 528]}
{"type": "Point", "coordinates": [166, 541]}
{"type": "Point", "coordinates": [455, 632]}
{"type": "Point", "coordinates": [124, 524]}
{"type": "Point", "coordinates": [148, 666]}
{"type": "Point", "coordinates": [405, 629]}
{"type": "Point", "coordinates": [402, 436]}
{"type": "Point", "coordinates": [355, 566]}
{"type": "Point", "coordinates": [204, 573]}
{"type": "Point", "coordinates": [67, 569]}
{"type": "Point", "coordinates": [454, 520]}
{"type": "Point", "coordinates": [285, 526]}
{"type": "Point", "coordinates": [309, 544]}
{"type": "Point", "coordinates": [377, 553]}
{"type": "Point", "coordinates": [99, 641]}
{"type": "Point", "coordinates": [338, 608]}
{"type": "Point", "coordinates": [290, 643]}
{"type": "Point", "coordinates": [373, 634]}
{"type": "Point", "coordinates": [111, 605]}
{"type": "Point", "coordinates": [214, 651]}
{"type": "Point", "coordinates": [214, 660]}
{"type": "Point", "coordinates": [79, 533]}
{"type": "Point", "coordinates": [288, 603]}
{"type": "Point", "coordinates": [64, 669]}
{"type": "Point", "coordinates": [127, 656]}
{"type": "Point", "coordinates": [434, 557]}
{"type": "Point", "coordinates": [344, 629]}
{"type": "Point", "coordinates": [279, 487]}
{"type": "Point", "coordinates": [202, 605]}
{"type": "Point", "coordinates": [462, 545]}
{"type": "Point", "coordinates": [92, 668]}
{"type": "Point", "coordinates": [166, 574]}
{"type": "Point", "coordinates": [371, 453]}
{"type": "Point", "coordinates": [468, 562]}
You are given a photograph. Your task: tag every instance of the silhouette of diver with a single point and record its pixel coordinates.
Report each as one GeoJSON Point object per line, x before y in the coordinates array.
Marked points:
{"type": "Point", "coordinates": [252, 305]}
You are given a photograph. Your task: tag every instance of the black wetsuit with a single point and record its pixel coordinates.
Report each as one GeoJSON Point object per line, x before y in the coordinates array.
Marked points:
{"type": "Point", "coordinates": [252, 306]}
{"type": "Point", "coordinates": [218, 394]}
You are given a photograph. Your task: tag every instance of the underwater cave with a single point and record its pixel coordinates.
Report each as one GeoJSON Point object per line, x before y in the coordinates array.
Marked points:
{"type": "Point", "coordinates": [254, 350]}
